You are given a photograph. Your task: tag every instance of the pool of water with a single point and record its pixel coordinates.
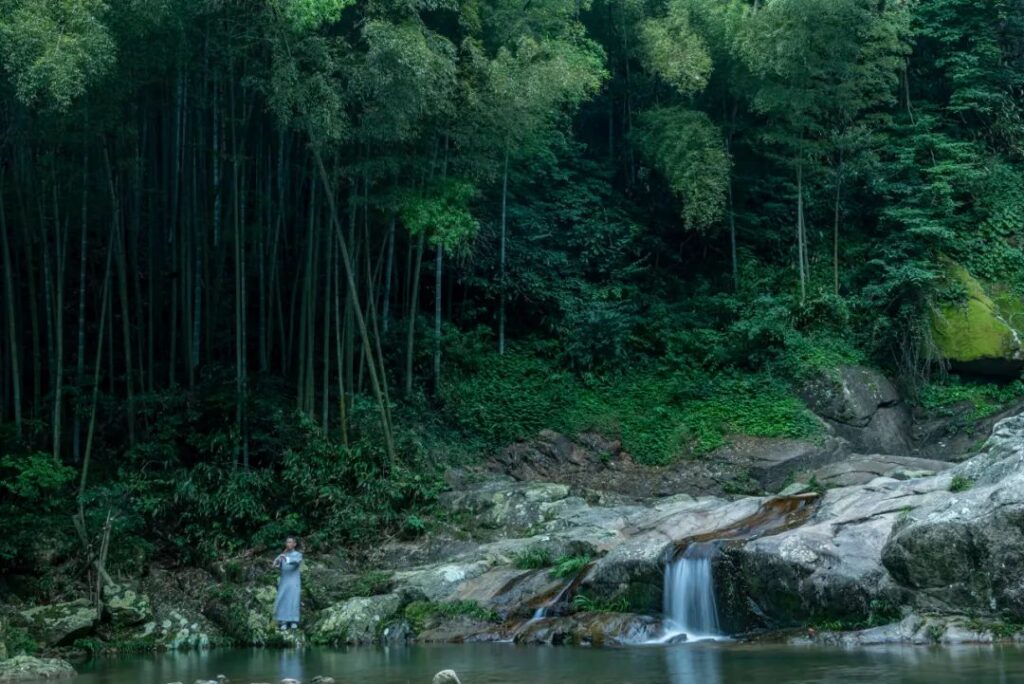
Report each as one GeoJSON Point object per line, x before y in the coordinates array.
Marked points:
{"type": "Point", "coordinates": [701, 663]}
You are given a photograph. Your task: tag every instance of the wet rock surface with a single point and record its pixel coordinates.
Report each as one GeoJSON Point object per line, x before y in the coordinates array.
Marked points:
{"type": "Point", "coordinates": [26, 668]}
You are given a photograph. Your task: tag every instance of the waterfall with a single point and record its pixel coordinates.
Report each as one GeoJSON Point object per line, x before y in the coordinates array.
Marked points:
{"type": "Point", "coordinates": [690, 593]}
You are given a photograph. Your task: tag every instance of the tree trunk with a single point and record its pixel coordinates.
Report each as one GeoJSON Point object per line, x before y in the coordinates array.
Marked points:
{"type": "Point", "coordinates": [835, 229]}
{"type": "Point", "coordinates": [501, 267]}
{"type": "Point", "coordinates": [80, 352]}
{"type": "Point", "coordinates": [12, 332]}
{"type": "Point", "coordinates": [413, 298]}
{"type": "Point", "coordinates": [386, 306]}
{"type": "Point", "coordinates": [800, 231]}
{"type": "Point", "coordinates": [122, 280]}
{"type": "Point", "coordinates": [375, 381]}
{"type": "Point", "coordinates": [438, 266]}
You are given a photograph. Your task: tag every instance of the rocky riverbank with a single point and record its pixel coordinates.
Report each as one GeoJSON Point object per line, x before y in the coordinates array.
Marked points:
{"type": "Point", "coordinates": [567, 541]}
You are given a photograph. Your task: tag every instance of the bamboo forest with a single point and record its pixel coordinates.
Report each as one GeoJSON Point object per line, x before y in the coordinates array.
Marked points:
{"type": "Point", "coordinates": [691, 324]}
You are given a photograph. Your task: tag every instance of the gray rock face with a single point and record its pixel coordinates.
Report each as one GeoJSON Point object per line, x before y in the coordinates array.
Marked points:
{"type": "Point", "coordinates": [917, 630]}
{"type": "Point", "coordinates": [872, 547]}
{"type": "Point", "coordinates": [863, 407]}
{"type": "Point", "coordinates": [859, 469]}
{"type": "Point", "coordinates": [852, 395]}
{"type": "Point", "coordinates": [358, 620]}
{"type": "Point", "coordinates": [26, 668]}
{"type": "Point", "coordinates": [59, 624]}
{"type": "Point", "coordinates": [967, 550]}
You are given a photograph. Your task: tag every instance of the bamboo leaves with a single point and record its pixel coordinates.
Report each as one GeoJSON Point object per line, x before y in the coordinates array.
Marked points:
{"type": "Point", "coordinates": [54, 49]}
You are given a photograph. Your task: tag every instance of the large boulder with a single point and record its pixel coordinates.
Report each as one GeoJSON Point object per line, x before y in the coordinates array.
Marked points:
{"type": "Point", "coordinates": [126, 606]}
{"type": "Point", "coordinates": [359, 620]}
{"type": "Point", "coordinates": [863, 407]}
{"type": "Point", "coordinates": [504, 504]}
{"type": "Point", "coordinates": [176, 630]}
{"type": "Point", "coordinates": [983, 333]}
{"type": "Point", "coordinates": [26, 668]}
{"type": "Point", "coordinates": [871, 548]}
{"type": "Point", "coordinates": [59, 624]}
{"type": "Point", "coordinates": [966, 551]}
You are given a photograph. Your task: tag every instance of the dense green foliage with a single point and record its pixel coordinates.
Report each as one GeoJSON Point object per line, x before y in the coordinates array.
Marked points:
{"type": "Point", "coordinates": [267, 267]}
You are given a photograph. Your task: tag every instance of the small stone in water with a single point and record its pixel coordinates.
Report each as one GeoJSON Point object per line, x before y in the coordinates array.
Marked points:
{"type": "Point", "coordinates": [446, 677]}
{"type": "Point", "coordinates": [320, 679]}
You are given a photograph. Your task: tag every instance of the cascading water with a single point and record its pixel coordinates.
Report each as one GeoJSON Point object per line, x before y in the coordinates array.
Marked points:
{"type": "Point", "coordinates": [690, 594]}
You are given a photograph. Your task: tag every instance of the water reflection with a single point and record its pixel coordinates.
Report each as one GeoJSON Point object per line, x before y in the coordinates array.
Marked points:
{"type": "Point", "coordinates": [693, 664]}
{"type": "Point", "coordinates": [290, 666]}
{"type": "Point", "coordinates": [696, 663]}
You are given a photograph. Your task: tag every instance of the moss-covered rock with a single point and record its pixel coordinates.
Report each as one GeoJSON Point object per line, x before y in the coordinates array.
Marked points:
{"type": "Point", "coordinates": [175, 630]}
{"type": "Point", "coordinates": [126, 606]}
{"type": "Point", "coordinates": [358, 620]}
{"type": "Point", "coordinates": [984, 333]}
{"type": "Point", "coordinates": [60, 624]}
{"type": "Point", "coordinates": [25, 668]}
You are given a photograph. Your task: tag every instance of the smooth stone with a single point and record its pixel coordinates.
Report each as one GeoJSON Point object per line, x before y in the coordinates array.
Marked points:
{"type": "Point", "coordinates": [446, 677]}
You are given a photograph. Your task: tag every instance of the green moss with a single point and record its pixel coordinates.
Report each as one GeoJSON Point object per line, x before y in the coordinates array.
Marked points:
{"type": "Point", "coordinates": [421, 613]}
{"type": "Point", "coordinates": [371, 583]}
{"type": "Point", "coordinates": [979, 326]}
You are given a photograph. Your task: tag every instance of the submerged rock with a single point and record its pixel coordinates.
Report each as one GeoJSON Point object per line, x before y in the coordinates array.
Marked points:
{"type": "Point", "coordinates": [446, 677]}
{"type": "Point", "coordinates": [25, 668]}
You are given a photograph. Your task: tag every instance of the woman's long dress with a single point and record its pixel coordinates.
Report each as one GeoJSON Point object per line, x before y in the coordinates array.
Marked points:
{"type": "Point", "coordinates": [289, 587]}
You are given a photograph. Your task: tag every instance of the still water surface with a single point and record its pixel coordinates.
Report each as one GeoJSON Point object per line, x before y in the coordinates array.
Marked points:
{"type": "Point", "coordinates": [700, 663]}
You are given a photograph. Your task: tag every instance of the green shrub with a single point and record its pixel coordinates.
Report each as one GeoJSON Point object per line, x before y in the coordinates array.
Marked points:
{"type": "Point", "coordinates": [35, 504]}
{"type": "Point", "coordinates": [569, 566]}
{"type": "Point", "coordinates": [532, 558]}
{"type": "Point", "coordinates": [583, 603]}
{"type": "Point", "coordinates": [960, 483]}
{"type": "Point", "coordinates": [19, 642]}
{"type": "Point", "coordinates": [985, 398]}
{"type": "Point", "coordinates": [659, 413]}
{"type": "Point", "coordinates": [371, 583]}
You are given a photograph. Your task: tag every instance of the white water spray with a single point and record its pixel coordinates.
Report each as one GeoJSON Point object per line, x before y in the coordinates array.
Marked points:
{"type": "Point", "coordinates": [690, 606]}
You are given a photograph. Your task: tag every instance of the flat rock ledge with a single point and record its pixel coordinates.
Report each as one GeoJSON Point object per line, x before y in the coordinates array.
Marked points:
{"type": "Point", "coordinates": [25, 668]}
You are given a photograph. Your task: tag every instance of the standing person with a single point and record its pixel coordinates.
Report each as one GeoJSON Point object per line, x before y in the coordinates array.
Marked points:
{"type": "Point", "coordinates": [289, 587]}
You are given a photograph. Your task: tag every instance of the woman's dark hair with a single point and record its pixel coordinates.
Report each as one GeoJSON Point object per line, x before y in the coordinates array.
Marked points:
{"type": "Point", "coordinates": [293, 536]}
